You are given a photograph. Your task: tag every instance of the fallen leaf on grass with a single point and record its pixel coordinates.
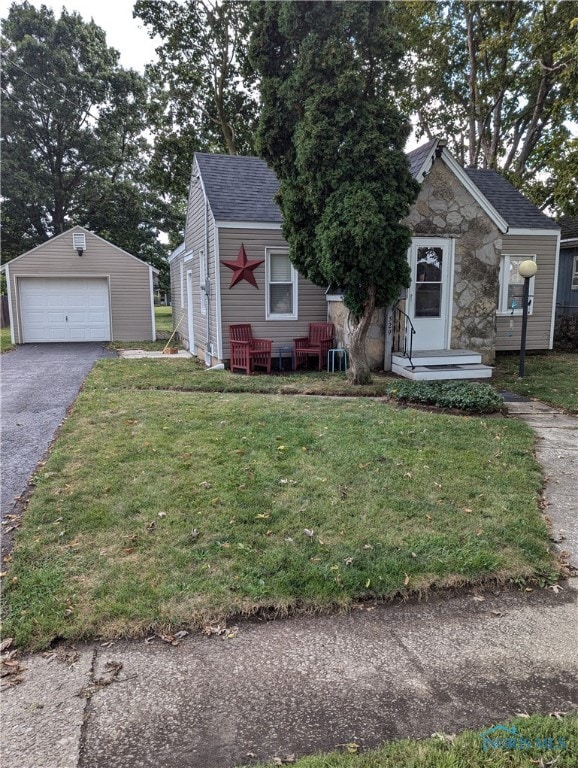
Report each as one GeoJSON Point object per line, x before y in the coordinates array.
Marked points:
{"type": "Point", "coordinates": [556, 588]}
{"type": "Point", "coordinates": [6, 643]}
{"type": "Point", "coordinates": [406, 580]}
{"type": "Point", "coordinates": [205, 485]}
{"type": "Point", "coordinates": [309, 532]}
{"type": "Point", "coordinates": [352, 748]}
{"type": "Point", "coordinates": [284, 760]}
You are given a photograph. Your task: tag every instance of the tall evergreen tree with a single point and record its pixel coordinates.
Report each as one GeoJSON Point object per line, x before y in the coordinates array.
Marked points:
{"type": "Point", "coordinates": [72, 136]}
{"type": "Point", "coordinates": [331, 130]}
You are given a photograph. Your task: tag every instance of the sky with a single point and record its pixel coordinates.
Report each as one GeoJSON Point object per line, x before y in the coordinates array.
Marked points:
{"type": "Point", "coordinates": [124, 33]}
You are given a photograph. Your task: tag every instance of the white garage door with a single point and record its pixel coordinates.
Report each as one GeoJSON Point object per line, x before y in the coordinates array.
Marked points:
{"type": "Point", "coordinates": [64, 309]}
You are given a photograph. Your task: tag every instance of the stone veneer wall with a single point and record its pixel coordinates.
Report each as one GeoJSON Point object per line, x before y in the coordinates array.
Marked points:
{"type": "Point", "coordinates": [338, 314]}
{"type": "Point", "coordinates": [445, 208]}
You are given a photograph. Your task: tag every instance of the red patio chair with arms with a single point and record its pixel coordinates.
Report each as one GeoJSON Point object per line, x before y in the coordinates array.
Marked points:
{"type": "Point", "coordinates": [318, 343]}
{"type": "Point", "coordinates": [248, 353]}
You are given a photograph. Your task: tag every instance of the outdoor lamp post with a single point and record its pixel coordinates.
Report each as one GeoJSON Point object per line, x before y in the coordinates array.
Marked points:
{"type": "Point", "coordinates": [527, 270]}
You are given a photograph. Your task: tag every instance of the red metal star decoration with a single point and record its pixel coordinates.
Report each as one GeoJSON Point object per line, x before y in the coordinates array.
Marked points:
{"type": "Point", "coordinates": [243, 268]}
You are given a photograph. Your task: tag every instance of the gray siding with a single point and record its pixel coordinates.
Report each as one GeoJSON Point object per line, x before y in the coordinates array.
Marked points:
{"type": "Point", "coordinates": [566, 296]}
{"type": "Point", "coordinates": [199, 236]}
{"type": "Point", "coordinates": [129, 280]}
{"type": "Point", "coordinates": [544, 247]}
{"type": "Point", "coordinates": [246, 304]}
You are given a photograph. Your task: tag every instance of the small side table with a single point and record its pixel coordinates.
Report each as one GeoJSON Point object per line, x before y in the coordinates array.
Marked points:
{"type": "Point", "coordinates": [285, 349]}
{"type": "Point", "coordinates": [337, 357]}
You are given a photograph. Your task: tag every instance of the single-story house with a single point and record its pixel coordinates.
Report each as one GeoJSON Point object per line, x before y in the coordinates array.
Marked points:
{"type": "Point", "coordinates": [79, 287]}
{"type": "Point", "coordinates": [471, 231]}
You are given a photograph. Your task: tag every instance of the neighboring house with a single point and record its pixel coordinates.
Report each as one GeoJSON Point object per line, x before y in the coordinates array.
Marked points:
{"type": "Point", "coordinates": [78, 287]}
{"type": "Point", "coordinates": [471, 230]}
{"type": "Point", "coordinates": [567, 293]}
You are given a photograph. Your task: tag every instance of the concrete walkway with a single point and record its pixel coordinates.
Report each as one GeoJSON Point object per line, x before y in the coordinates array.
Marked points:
{"type": "Point", "coordinates": [557, 453]}
{"type": "Point", "coordinates": [302, 685]}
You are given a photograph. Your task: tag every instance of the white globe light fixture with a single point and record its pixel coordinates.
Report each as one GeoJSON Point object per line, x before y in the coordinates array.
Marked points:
{"type": "Point", "coordinates": [527, 270]}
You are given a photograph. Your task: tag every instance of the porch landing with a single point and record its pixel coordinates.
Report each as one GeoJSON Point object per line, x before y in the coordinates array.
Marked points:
{"type": "Point", "coordinates": [440, 365]}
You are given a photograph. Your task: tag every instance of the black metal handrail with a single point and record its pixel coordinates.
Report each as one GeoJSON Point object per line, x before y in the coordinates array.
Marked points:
{"type": "Point", "coordinates": [406, 353]}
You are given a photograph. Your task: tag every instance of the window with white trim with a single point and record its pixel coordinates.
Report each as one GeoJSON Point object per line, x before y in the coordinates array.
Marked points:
{"type": "Point", "coordinates": [512, 284]}
{"type": "Point", "coordinates": [203, 274]}
{"type": "Point", "coordinates": [281, 278]}
{"type": "Point", "coordinates": [575, 274]}
{"type": "Point", "coordinates": [182, 286]}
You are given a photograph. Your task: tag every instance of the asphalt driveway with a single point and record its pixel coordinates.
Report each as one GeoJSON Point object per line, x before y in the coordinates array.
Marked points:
{"type": "Point", "coordinates": [38, 383]}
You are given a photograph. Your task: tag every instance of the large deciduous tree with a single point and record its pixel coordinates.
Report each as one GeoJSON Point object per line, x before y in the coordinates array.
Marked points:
{"type": "Point", "coordinates": [331, 130]}
{"type": "Point", "coordinates": [73, 150]}
{"type": "Point", "coordinates": [499, 80]}
{"type": "Point", "coordinates": [202, 93]}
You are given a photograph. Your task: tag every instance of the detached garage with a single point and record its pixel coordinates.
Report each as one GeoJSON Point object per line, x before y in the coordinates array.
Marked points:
{"type": "Point", "coordinates": [79, 287]}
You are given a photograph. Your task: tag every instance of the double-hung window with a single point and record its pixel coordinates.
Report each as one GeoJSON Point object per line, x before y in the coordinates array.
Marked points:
{"type": "Point", "coordinates": [281, 278]}
{"type": "Point", "coordinates": [575, 274]}
{"type": "Point", "coordinates": [512, 285]}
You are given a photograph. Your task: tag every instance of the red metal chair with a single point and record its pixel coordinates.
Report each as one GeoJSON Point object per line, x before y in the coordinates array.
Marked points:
{"type": "Point", "coordinates": [248, 353]}
{"type": "Point", "coordinates": [318, 343]}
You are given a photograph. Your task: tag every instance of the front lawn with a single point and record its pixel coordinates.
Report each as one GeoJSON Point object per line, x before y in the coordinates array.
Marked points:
{"type": "Point", "coordinates": [537, 741]}
{"type": "Point", "coordinates": [189, 375]}
{"type": "Point", "coordinates": [164, 509]}
{"type": "Point", "coordinates": [551, 377]}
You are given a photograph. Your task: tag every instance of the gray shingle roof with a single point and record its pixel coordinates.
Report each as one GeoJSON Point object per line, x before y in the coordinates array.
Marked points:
{"type": "Point", "coordinates": [239, 188]}
{"type": "Point", "coordinates": [512, 206]}
{"type": "Point", "coordinates": [243, 189]}
{"type": "Point", "coordinates": [418, 156]}
{"type": "Point", "coordinates": [569, 226]}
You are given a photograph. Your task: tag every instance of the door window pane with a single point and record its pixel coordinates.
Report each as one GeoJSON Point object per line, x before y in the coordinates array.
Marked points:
{"type": "Point", "coordinates": [428, 294]}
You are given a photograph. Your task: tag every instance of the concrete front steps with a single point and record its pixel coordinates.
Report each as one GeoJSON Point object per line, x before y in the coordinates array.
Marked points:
{"type": "Point", "coordinates": [440, 365]}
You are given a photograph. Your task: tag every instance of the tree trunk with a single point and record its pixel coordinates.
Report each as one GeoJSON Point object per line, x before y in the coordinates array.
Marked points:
{"type": "Point", "coordinates": [359, 372]}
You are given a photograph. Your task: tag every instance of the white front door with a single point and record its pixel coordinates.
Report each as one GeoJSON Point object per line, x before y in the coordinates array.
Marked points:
{"type": "Point", "coordinates": [429, 299]}
{"type": "Point", "coordinates": [64, 309]}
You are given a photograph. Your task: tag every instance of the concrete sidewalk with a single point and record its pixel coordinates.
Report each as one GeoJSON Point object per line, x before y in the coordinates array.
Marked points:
{"type": "Point", "coordinates": [557, 453]}
{"type": "Point", "coordinates": [299, 685]}
{"type": "Point", "coordinates": [308, 684]}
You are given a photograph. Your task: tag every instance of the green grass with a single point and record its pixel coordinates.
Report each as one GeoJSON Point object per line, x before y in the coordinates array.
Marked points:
{"type": "Point", "coordinates": [110, 544]}
{"type": "Point", "coordinates": [164, 329]}
{"type": "Point", "coordinates": [551, 377]}
{"type": "Point", "coordinates": [5, 340]}
{"type": "Point", "coordinates": [466, 749]}
{"type": "Point", "coordinates": [191, 376]}
{"type": "Point", "coordinates": [164, 320]}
